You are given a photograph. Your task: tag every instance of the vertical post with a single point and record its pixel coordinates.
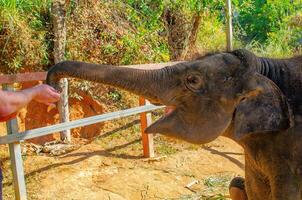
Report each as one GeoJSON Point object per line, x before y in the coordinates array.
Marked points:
{"type": "Point", "coordinates": [229, 31]}
{"type": "Point", "coordinates": [16, 158]}
{"type": "Point", "coordinates": [64, 110]}
{"type": "Point", "coordinates": [147, 139]}
{"type": "Point", "coordinates": [59, 28]}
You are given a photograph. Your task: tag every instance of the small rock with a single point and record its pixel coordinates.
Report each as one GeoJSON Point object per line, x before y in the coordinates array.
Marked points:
{"type": "Point", "coordinates": [155, 159]}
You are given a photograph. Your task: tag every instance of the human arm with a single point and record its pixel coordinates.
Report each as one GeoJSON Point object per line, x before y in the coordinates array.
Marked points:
{"type": "Point", "coordinates": [11, 102]}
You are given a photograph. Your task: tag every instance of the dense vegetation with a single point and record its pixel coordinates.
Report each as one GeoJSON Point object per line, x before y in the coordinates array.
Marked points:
{"type": "Point", "coordinates": [137, 31]}
{"type": "Point", "coordinates": [269, 27]}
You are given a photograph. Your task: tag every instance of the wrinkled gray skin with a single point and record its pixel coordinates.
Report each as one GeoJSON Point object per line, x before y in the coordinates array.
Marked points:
{"type": "Point", "coordinates": [216, 95]}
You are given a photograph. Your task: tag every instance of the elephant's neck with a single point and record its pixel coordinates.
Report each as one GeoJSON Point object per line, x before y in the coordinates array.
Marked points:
{"type": "Point", "coordinates": [274, 69]}
{"type": "Point", "coordinates": [287, 75]}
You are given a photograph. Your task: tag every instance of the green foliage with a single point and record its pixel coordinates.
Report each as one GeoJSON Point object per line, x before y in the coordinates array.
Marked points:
{"type": "Point", "coordinates": [133, 31]}
{"type": "Point", "coordinates": [267, 27]}
{"type": "Point", "coordinates": [119, 35]}
{"type": "Point", "coordinates": [261, 18]}
{"type": "Point", "coordinates": [211, 36]}
{"type": "Point", "coordinates": [146, 13]}
{"type": "Point", "coordinates": [115, 95]}
{"type": "Point", "coordinates": [186, 6]}
{"type": "Point", "coordinates": [286, 41]}
{"type": "Point", "coordinates": [22, 34]}
{"type": "Point", "coordinates": [152, 10]}
{"type": "Point", "coordinates": [24, 6]}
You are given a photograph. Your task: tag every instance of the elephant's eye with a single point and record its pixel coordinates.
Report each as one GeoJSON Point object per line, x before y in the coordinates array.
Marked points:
{"type": "Point", "coordinates": [192, 79]}
{"type": "Point", "coordinates": [194, 83]}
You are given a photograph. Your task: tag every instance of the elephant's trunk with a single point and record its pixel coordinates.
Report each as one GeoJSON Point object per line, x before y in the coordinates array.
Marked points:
{"type": "Point", "coordinates": [148, 83]}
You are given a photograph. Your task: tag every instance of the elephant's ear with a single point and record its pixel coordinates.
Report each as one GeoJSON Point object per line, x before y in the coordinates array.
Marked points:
{"type": "Point", "coordinates": [246, 57]}
{"type": "Point", "coordinates": [266, 112]}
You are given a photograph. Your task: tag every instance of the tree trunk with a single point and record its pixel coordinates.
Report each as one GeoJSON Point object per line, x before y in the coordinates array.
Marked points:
{"type": "Point", "coordinates": [196, 21]}
{"type": "Point", "coordinates": [229, 31]}
{"type": "Point", "coordinates": [181, 31]}
{"type": "Point", "coordinates": [59, 29]}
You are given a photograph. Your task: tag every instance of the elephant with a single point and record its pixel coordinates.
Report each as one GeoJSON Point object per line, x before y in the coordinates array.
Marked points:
{"type": "Point", "coordinates": [216, 95]}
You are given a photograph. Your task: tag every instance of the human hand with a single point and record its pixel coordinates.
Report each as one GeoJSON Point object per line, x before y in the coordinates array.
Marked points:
{"type": "Point", "coordinates": [45, 94]}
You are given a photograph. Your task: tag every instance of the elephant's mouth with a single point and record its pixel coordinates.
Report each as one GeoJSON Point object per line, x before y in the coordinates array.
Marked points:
{"type": "Point", "coordinates": [162, 124]}
{"type": "Point", "coordinates": [169, 110]}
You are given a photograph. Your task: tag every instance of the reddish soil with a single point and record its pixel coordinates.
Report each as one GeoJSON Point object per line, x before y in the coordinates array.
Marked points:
{"type": "Point", "coordinates": [37, 115]}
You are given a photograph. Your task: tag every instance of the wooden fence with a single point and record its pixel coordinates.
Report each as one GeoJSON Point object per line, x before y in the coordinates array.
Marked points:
{"type": "Point", "coordinates": [14, 137]}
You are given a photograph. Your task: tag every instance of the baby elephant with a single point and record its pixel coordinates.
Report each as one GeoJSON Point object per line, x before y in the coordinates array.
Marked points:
{"type": "Point", "coordinates": [216, 95]}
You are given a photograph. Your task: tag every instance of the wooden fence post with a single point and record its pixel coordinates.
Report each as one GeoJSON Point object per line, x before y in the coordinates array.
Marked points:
{"type": "Point", "coordinates": [147, 139]}
{"type": "Point", "coordinates": [16, 157]}
{"type": "Point", "coordinates": [64, 110]}
{"type": "Point", "coordinates": [59, 28]}
{"type": "Point", "coordinates": [229, 31]}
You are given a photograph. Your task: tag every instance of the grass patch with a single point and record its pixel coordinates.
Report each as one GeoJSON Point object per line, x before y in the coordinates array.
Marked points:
{"type": "Point", "coordinates": [163, 147]}
{"type": "Point", "coordinates": [220, 181]}
{"type": "Point", "coordinates": [214, 188]}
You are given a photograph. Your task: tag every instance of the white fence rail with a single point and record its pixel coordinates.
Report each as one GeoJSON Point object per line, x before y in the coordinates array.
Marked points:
{"type": "Point", "coordinates": [38, 132]}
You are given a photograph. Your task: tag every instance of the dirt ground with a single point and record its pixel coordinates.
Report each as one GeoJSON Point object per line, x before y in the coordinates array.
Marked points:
{"type": "Point", "coordinates": [111, 167]}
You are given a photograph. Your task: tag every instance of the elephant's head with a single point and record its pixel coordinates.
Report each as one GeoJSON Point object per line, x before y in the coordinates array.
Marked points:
{"type": "Point", "coordinates": [204, 95]}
